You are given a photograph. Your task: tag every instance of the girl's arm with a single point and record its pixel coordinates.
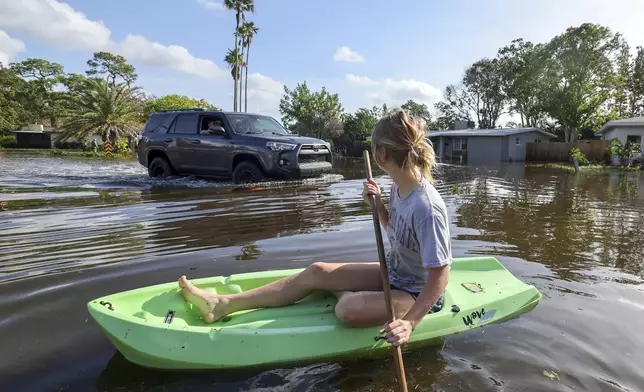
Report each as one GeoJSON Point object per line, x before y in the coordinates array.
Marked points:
{"type": "Point", "coordinates": [371, 188]}
{"type": "Point", "coordinates": [399, 330]}
{"type": "Point", "coordinates": [434, 287]}
{"type": "Point", "coordinates": [435, 251]}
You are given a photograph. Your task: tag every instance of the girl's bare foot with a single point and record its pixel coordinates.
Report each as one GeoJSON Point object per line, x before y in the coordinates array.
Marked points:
{"type": "Point", "coordinates": [211, 306]}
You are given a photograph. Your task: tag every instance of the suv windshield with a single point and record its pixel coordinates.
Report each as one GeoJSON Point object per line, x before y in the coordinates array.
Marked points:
{"type": "Point", "coordinates": [251, 123]}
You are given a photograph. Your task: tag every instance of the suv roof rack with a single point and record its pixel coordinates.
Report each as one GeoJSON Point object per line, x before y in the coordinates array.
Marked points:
{"type": "Point", "coordinates": [183, 110]}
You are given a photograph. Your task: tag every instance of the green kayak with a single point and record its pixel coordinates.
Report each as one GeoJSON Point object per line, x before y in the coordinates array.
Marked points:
{"type": "Point", "coordinates": [154, 327]}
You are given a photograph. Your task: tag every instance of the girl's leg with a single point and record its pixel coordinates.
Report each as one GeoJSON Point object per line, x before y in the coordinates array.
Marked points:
{"type": "Point", "coordinates": [336, 277]}
{"type": "Point", "coordinates": [368, 308]}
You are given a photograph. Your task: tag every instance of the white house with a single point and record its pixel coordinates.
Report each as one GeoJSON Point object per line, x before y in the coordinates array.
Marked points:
{"type": "Point", "coordinates": [628, 129]}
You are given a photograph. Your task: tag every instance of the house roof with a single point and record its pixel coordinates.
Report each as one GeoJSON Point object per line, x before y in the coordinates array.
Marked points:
{"type": "Point", "coordinates": [627, 122]}
{"type": "Point", "coordinates": [499, 132]}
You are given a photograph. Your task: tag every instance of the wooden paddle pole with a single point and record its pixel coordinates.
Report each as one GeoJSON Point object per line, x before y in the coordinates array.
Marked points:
{"type": "Point", "coordinates": [400, 367]}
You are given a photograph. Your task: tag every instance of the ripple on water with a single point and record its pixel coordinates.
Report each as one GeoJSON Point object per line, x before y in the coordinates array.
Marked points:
{"type": "Point", "coordinates": [578, 239]}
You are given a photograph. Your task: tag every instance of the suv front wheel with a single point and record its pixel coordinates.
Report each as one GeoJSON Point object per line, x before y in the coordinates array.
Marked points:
{"type": "Point", "coordinates": [160, 168]}
{"type": "Point", "coordinates": [247, 173]}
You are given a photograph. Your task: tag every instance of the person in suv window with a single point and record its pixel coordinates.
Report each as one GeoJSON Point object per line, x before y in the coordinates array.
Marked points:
{"type": "Point", "coordinates": [212, 125]}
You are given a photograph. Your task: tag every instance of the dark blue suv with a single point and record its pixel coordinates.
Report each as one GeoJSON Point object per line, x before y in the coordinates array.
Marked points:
{"type": "Point", "coordinates": [241, 147]}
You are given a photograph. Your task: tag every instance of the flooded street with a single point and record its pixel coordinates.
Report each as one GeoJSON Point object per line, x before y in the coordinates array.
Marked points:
{"type": "Point", "coordinates": [72, 230]}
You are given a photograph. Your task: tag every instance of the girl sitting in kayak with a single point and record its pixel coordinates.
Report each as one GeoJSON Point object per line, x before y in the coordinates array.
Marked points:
{"type": "Point", "coordinates": [418, 262]}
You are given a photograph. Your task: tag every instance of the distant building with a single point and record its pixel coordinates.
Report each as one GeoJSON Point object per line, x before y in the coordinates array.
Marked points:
{"type": "Point", "coordinates": [39, 136]}
{"type": "Point", "coordinates": [486, 146]}
{"type": "Point", "coordinates": [628, 129]}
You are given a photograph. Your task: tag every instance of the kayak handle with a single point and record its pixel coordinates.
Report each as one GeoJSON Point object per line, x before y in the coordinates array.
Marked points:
{"type": "Point", "coordinates": [107, 304]}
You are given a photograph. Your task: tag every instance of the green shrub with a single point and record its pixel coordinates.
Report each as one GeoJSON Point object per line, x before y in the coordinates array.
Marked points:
{"type": "Point", "coordinates": [581, 158]}
{"type": "Point", "coordinates": [122, 146]}
{"type": "Point", "coordinates": [367, 144]}
{"type": "Point", "coordinates": [8, 141]}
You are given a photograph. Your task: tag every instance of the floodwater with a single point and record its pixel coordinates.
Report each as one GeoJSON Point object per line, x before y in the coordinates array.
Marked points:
{"type": "Point", "coordinates": [73, 230]}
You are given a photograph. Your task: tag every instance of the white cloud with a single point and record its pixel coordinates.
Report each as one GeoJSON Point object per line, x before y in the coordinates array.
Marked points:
{"type": "Point", "coordinates": [175, 57]}
{"type": "Point", "coordinates": [55, 23]}
{"type": "Point", "coordinates": [9, 47]}
{"type": "Point", "coordinates": [264, 94]}
{"type": "Point", "coordinates": [361, 80]}
{"type": "Point", "coordinates": [211, 5]}
{"type": "Point", "coordinates": [395, 92]}
{"type": "Point", "coordinates": [344, 53]}
{"type": "Point", "coordinates": [59, 24]}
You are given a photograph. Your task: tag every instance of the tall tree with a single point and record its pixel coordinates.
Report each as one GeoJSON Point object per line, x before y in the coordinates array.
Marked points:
{"type": "Point", "coordinates": [448, 113]}
{"type": "Point", "coordinates": [240, 7]}
{"type": "Point", "coordinates": [522, 65]}
{"type": "Point", "coordinates": [176, 101]}
{"type": "Point", "coordinates": [309, 113]}
{"type": "Point", "coordinates": [113, 110]}
{"type": "Point", "coordinates": [12, 110]}
{"type": "Point", "coordinates": [479, 95]}
{"type": "Point", "coordinates": [248, 32]}
{"type": "Point", "coordinates": [636, 85]}
{"type": "Point", "coordinates": [112, 66]}
{"type": "Point", "coordinates": [359, 126]}
{"type": "Point", "coordinates": [458, 104]}
{"type": "Point", "coordinates": [75, 83]}
{"type": "Point", "coordinates": [579, 75]}
{"type": "Point", "coordinates": [235, 62]}
{"type": "Point", "coordinates": [419, 110]}
{"type": "Point", "coordinates": [38, 96]}
{"type": "Point", "coordinates": [483, 84]}
{"type": "Point", "coordinates": [621, 96]}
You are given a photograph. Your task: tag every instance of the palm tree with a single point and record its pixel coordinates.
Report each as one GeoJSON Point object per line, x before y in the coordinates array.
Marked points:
{"type": "Point", "coordinates": [247, 32]}
{"type": "Point", "coordinates": [240, 7]}
{"type": "Point", "coordinates": [235, 62]}
{"type": "Point", "coordinates": [113, 110]}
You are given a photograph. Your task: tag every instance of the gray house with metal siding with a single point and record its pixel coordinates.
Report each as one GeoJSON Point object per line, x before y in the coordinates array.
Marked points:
{"type": "Point", "coordinates": [486, 146]}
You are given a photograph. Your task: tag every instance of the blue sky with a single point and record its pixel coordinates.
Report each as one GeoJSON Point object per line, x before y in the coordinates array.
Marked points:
{"type": "Point", "coordinates": [409, 52]}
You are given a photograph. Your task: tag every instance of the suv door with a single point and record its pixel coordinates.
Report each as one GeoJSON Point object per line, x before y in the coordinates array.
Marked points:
{"type": "Point", "coordinates": [216, 148]}
{"type": "Point", "coordinates": [183, 140]}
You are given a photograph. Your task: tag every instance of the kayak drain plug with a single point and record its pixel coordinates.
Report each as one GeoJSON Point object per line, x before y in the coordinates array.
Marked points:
{"type": "Point", "coordinates": [455, 309]}
{"type": "Point", "coordinates": [169, 316]}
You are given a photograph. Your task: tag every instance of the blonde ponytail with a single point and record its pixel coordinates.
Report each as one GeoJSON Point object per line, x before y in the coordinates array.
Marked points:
{"type": "Point", "coordinates": [403, 139]}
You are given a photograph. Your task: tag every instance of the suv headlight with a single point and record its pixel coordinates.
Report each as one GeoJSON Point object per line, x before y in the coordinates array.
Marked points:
{"type": "Point", "coordinates": [277, 146]}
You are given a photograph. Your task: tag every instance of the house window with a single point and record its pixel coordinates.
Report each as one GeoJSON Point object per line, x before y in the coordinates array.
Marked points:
{"type": "Point", "coordinates": [537, 140]}
{"type": "Point", "coordinates": [636, 139]}
{"type": "Point", "coordinates": [460, 144]}
{"type": "Point", "coordinates": [517, 141]}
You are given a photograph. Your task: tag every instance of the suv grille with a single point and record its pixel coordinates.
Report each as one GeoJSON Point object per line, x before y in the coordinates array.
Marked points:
{"type": "Point", "coordinates": [312, 153]}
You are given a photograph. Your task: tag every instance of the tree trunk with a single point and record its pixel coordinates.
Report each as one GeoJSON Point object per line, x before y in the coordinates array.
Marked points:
{"type": "Point", "coordinates": [237, 71]}
{"type": "Point", "coordinates": [246, 82]}
{"type": "Point", "coordinates": [241, 73]}
{"type": "Point", "coordinates": [241, 80]}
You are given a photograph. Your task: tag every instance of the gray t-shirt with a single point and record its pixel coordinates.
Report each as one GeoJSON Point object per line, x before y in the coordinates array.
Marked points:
{"type": "Point", "coordinates": [418, 232]}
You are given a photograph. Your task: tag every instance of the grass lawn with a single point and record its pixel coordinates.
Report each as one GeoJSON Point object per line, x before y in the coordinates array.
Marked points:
{"type": "Point", "coordinates": [589, 168]}
{"type": "Point", "coordinates": [68, 153]}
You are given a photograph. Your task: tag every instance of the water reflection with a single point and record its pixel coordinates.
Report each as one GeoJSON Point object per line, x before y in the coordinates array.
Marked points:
{"type": "Point", "coordinates": [365, 375]}
{"type": "Point", "coordinates": [567, 222]}
{"type": "Point", "coordinates": [114, 227]}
